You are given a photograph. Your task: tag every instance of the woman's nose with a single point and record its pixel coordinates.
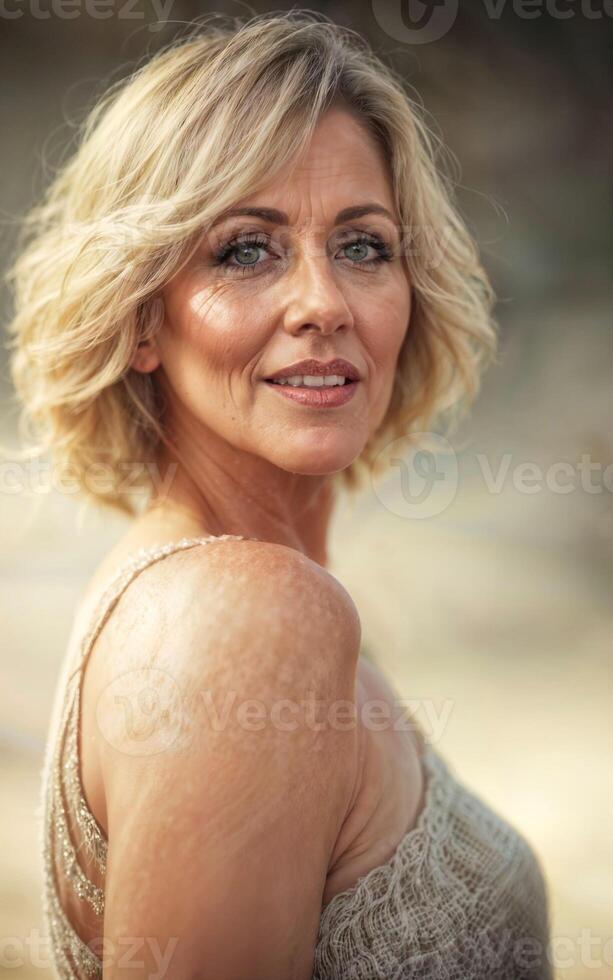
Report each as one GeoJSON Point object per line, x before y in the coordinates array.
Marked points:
{"type": "Point", "coordinates": [314, 297]}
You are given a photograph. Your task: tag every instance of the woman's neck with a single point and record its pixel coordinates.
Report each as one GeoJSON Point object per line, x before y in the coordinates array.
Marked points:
{"type": "Point", "coordinates": [293, 510]}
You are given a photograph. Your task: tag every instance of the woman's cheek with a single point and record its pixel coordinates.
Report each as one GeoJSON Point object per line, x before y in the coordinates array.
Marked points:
{"type": "Point", "coordinates": [384, 353]}
{"type": "Point", "coordinates": [230, 331]}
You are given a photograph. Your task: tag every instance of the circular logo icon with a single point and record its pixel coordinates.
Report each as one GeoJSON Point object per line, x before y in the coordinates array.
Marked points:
{"type": "Point", "coordinates": [415, 21]}
{"type": "Point", "coordinates": [422, 477]}
{"type": "Point", "coordinates": [141, 712]}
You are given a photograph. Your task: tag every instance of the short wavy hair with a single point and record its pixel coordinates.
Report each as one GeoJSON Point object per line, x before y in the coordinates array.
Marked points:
{"type": "Point", "coordinates": [163, 152]}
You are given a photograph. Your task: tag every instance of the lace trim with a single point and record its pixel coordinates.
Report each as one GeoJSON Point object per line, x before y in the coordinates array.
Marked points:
{"type": "Point", "coordinates": [462, 888]}
{"type": "Point", "coordinates": [431, 823]}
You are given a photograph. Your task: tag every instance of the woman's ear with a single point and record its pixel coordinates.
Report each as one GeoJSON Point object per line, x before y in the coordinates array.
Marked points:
{"type": "Point", "coordinates": [146, 358]}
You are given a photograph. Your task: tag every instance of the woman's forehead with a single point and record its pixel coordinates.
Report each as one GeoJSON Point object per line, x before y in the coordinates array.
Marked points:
{"type": "Point", "coordinates": [340, 194]}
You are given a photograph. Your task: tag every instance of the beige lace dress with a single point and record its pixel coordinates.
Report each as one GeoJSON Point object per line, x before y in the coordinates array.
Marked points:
{"type": "Point", "coordinates": [462, 898]}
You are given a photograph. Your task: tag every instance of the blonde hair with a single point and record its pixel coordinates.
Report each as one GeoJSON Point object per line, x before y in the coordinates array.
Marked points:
{"type": "Point", "coordinates": [166, 150]}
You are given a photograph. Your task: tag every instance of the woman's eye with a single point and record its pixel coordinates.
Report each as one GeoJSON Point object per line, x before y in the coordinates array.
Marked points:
{"type": "Point", "coordinates": [357, 251]}
{"type": "Point", "coordinates": [244, 252]}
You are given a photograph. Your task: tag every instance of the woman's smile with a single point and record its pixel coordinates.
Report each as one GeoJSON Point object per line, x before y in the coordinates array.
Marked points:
{"type": "Point", "coordinates": [316, 395]}
{"type": "Point", "coordinates": [317, 384]}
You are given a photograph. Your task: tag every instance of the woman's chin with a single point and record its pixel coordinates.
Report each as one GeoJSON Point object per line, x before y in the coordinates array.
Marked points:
{"type": "Point", "coordinates": [317, 462]}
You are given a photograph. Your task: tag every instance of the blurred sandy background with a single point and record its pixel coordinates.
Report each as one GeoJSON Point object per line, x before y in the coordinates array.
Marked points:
{"type": "Point", "coordinates": [495, 601]}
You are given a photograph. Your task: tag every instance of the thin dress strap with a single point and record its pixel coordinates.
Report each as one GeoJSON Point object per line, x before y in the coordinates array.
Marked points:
{"type": "Point", "coordinates": [63, 795]}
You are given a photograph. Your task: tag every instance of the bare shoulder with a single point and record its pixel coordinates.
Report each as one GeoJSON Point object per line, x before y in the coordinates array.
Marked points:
{"type": "Point", "coordinates": [233, 802]}
{"type": "Point", "coordinates": [235, 625]}
{"type": "Point", "coordinates": [253, 596]}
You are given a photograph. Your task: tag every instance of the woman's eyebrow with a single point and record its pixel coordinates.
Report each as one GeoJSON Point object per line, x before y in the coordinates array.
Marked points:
{"type": "Point", "coordinates": [274, 216]}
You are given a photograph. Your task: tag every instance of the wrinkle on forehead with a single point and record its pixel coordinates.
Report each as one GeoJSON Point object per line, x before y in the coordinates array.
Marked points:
{"type": "Point", "coordinates": [344, 155]}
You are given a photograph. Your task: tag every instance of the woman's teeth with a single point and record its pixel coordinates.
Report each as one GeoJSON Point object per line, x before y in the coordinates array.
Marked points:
{"type": "Point", "coordinates": [311, 380]}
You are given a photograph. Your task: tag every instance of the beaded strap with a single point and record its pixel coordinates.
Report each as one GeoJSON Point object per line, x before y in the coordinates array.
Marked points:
{"type": "Point", "coordinates": [63, 789]}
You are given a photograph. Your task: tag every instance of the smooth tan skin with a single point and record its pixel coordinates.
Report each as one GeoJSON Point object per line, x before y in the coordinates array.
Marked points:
{"type": "Point", "coordinates": [266, 827]}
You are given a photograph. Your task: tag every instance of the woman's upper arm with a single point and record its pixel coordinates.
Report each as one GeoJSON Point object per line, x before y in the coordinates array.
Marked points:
{"type": "Point", "coordinates": [222, 826]}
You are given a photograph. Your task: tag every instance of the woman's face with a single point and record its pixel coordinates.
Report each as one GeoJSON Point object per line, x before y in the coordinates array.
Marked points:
{"type": "Point", "coordinates": [266, 291]}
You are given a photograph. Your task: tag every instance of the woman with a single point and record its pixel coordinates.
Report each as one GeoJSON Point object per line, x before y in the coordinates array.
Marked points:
{"type": "Point", "coordinates": [247, 282]}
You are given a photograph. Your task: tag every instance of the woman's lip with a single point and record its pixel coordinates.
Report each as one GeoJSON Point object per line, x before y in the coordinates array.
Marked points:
{"type": "Point", "coordinates": [322, 396]}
